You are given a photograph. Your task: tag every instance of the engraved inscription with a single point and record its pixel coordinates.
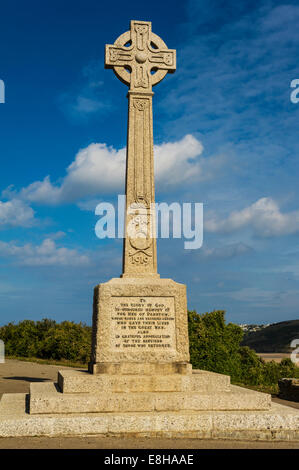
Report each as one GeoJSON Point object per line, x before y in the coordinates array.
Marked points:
{"type": "Point", "coordinates": [143, 324]}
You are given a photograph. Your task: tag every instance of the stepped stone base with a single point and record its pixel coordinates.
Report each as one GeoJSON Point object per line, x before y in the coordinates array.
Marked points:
{"type": "Point", "coordinates": [81, 381]}
{"type": "Point", "coordinates": [45, 398]}
{"type": "Point", "coordinates": [279, 423]}
{"type": "Point", "coordinates": [200, 405]}
{"type": "Point", "coordinates": [140, 368]}
{"type": "Point", "coordinates": [81, 392]}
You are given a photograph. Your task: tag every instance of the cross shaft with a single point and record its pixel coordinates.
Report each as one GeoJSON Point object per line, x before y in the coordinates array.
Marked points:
{"type": "Point", "coordinates": [140, 59]}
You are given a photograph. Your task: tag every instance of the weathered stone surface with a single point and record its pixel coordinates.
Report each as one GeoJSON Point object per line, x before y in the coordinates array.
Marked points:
{"type": "Point", "coordinates": [141, 368]}
{"type": "Point", "coordinates": [140, 320]}
{"type": "Point", "coordinates": [70, 381]}
{"type": "Point", "coordinates": [46, 398]}
{"type": "Point", "coordinates": [13, 404]}
{"type": "Point", "coordinates": [278, 423]}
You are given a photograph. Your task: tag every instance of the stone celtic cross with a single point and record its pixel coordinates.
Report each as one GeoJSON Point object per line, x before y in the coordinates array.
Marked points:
{"type": "Point", "coordinates": [140, 59]}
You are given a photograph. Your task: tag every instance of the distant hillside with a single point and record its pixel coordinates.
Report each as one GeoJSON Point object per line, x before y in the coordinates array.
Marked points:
{"type": "Point", "coordinates": [273, 338]}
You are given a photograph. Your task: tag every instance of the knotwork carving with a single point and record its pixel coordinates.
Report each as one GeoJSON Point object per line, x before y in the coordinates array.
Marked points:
{"type": "Point", "coordinates": [140, 57]}
{"type": "Point", "coordinates": [141, 105]}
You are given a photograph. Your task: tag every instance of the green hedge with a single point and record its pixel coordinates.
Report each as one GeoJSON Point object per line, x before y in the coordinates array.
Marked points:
{"type": "Point", "coordinates": [215, 346]}
{"type": "Point", "coordinates": [47, 339]}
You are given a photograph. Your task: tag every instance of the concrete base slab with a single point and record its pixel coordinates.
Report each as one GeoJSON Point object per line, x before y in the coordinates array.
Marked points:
{"type": "Point", "coordinates": [279, 423]}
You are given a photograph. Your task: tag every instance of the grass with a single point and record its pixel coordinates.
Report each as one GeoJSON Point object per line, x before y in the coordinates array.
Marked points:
{"type": "Point", "coordinates": [51, 362]}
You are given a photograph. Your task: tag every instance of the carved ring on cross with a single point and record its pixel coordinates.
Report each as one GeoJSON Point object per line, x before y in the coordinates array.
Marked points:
{"type": "Point", "coordinates": [140, 58]}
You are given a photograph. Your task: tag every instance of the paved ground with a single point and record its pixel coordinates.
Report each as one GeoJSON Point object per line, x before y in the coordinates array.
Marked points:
{"type": "Point", "coordinates": [140, 443]}
{"type": "Point", "coordinates": [15, 377]}
{"type": "Point", "coordinates": [276, 357]}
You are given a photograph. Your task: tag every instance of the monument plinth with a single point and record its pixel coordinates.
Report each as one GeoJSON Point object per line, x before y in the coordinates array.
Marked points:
{"type": "Point", "coordinates": [140, 321]}
{"type": "Point", "coordinates": [140, 381]}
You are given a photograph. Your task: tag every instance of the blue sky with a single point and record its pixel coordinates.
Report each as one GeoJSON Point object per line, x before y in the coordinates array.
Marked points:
{"type": "Point", "coordinates": [225, 132]}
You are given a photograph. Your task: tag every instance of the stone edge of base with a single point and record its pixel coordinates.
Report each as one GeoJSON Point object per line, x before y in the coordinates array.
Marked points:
{"type": "Point", "coordinates": [275, 426]}
{"type": "Point", "coordinates": [134, 368]}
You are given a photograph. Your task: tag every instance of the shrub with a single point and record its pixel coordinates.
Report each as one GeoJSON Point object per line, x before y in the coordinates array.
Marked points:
{"type": "Point", "coordinates": [215, 346]}
{"type": "Point", "coordinates": [47, 339]}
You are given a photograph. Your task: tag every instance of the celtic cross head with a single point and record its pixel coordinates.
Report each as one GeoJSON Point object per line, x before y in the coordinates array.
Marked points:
{"type": "Point", "coordinates": [140, 58]}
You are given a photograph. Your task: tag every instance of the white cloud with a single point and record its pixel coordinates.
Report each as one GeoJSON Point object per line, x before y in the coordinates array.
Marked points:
{"type": "Point", "coordinates": [254, 294]}
{"type": "Point", "coordinates": [45, 254]}
{"type": "Point", "coordinates": [177, 162]}
{"type": "Point", "coordinates": [96, 169]}
{"type": "Point", "coordinates": [56, 235]}
{"type": "Point", "coordinates": [264, 217]}
{"type": "Point", "coordinates": [265, 297]}
{"type": "Point", "coordinates": [89, 204]}
{"type": "Point", "coordinates": [87, 105]}
{"type": "Point", "coordinates": [16, 213]}
{"type": "Point", "coordinates": [99, 169]}
{"type": "Point", "coordinates": [40, 191]}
